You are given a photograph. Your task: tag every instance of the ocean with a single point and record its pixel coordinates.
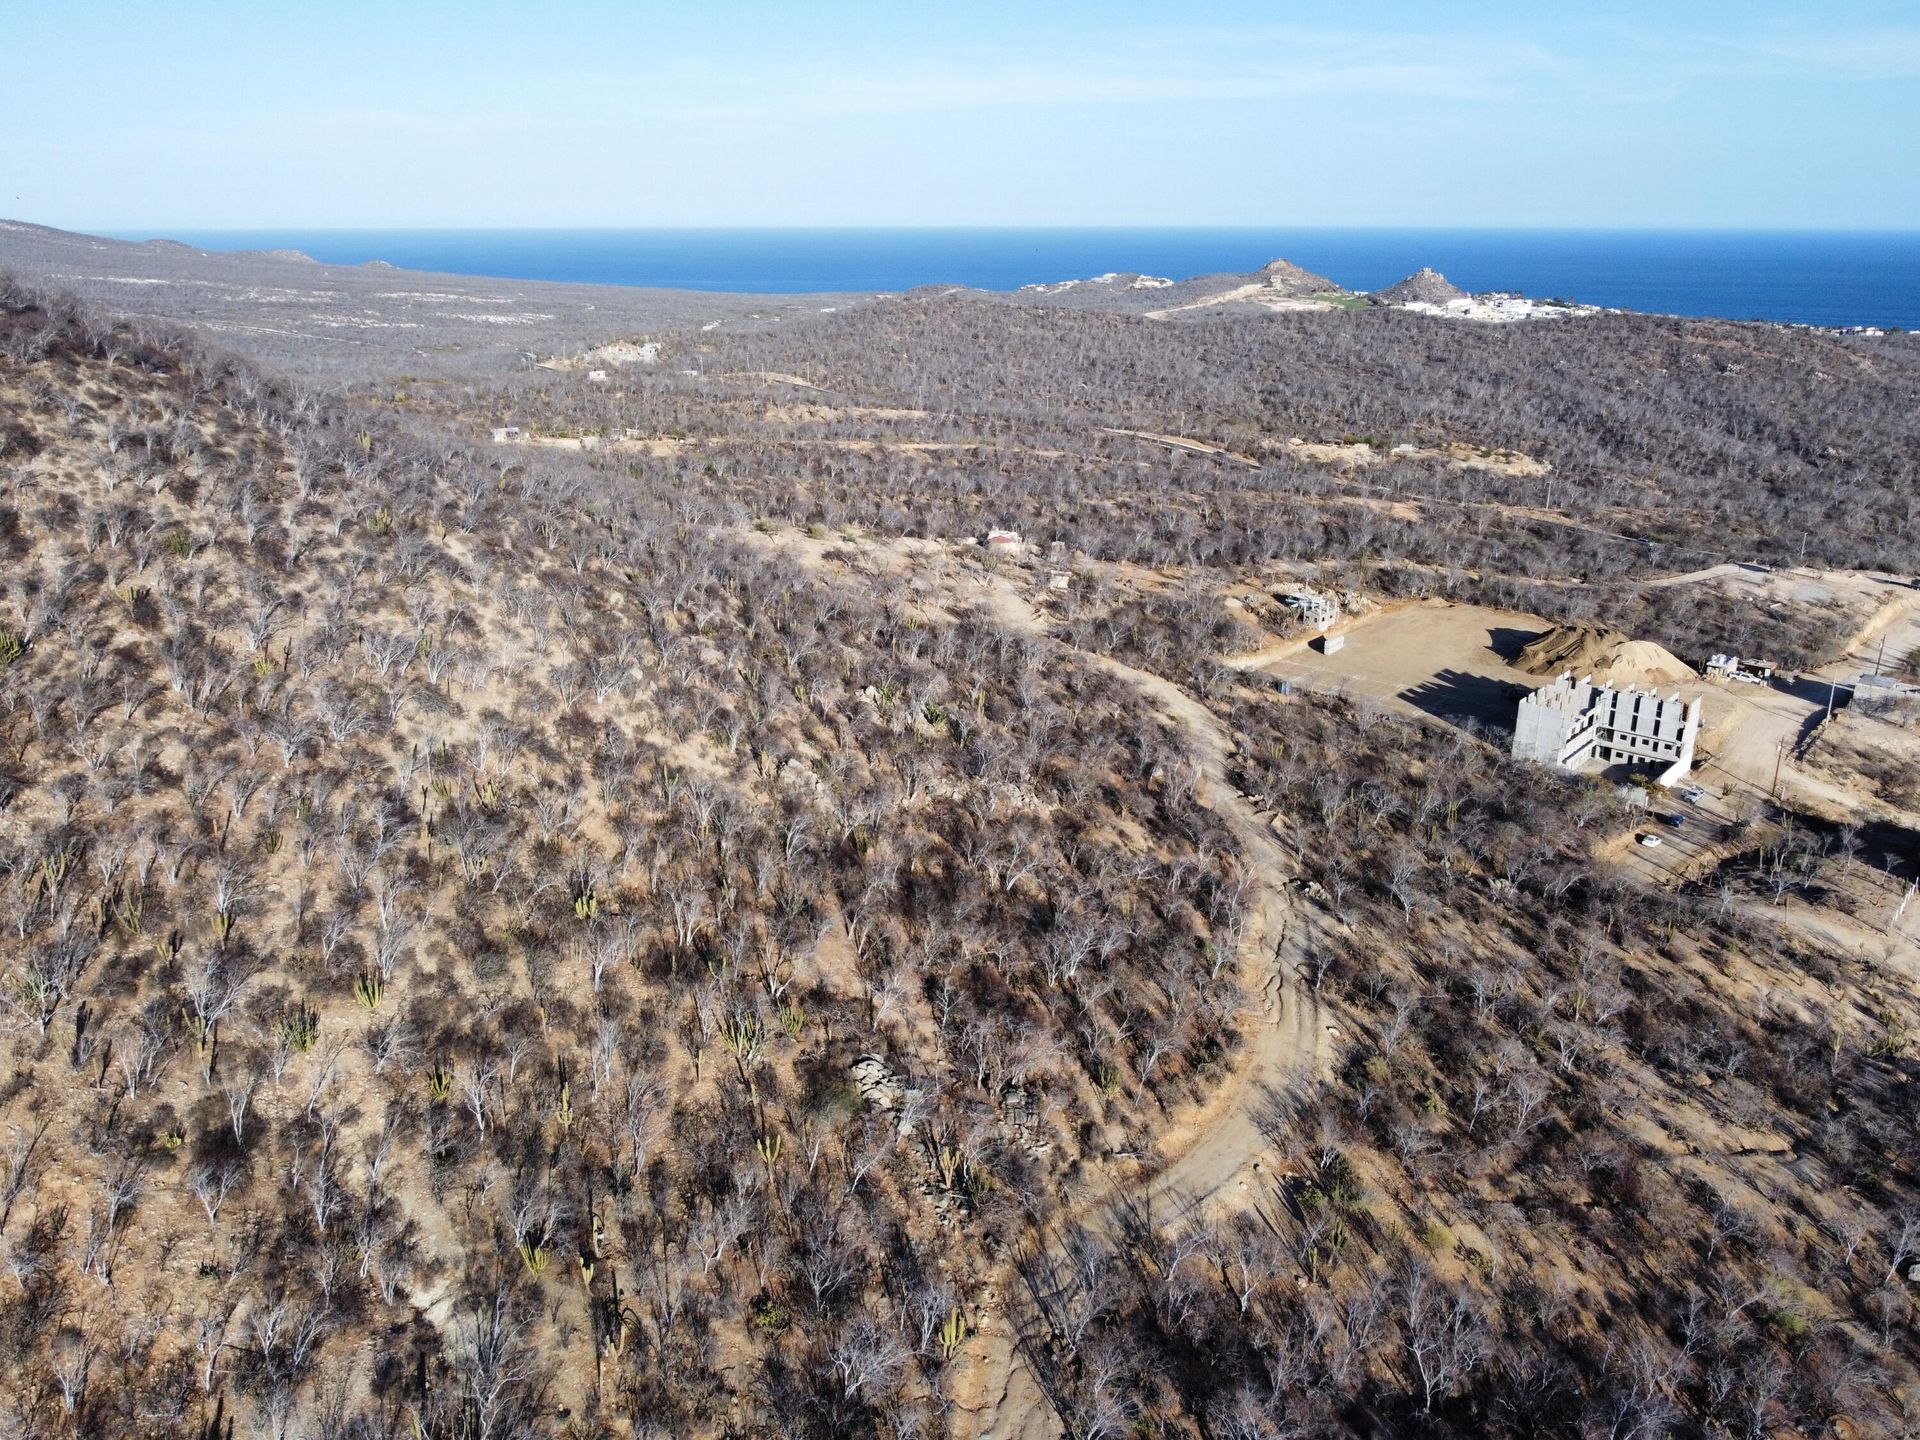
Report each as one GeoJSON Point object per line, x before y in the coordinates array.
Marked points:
{"type": "Point", "coordinates": [1813, 277]}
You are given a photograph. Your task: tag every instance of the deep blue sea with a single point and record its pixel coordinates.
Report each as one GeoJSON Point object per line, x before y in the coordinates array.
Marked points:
{"type": "Point", "coordinates": [1816, 277]}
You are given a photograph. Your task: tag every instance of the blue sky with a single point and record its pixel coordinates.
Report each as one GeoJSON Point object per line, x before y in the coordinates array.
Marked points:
{"type": "Point", "coordinates": [205, 113]}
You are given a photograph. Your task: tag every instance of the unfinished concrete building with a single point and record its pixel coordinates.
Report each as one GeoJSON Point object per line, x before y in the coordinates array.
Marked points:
{"type": "Point", "coordinates": [1573, 722]}
{"type": "Point", "coordinates": [1317, 611]}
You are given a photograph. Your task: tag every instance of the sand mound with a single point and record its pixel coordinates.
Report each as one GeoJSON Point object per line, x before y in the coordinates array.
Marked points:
{"type": "Point", "coordinates": [1604, 654]}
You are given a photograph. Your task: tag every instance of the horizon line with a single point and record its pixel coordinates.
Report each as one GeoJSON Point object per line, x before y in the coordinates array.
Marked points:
{"type": "Point", "coordinates": [156, 232]}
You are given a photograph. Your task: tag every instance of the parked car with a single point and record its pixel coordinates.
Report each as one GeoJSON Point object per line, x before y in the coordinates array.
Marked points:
{"type": "Point", "coordinates": [1676, 821]}
{"type": "Point", "coordinates": [1692, 794]}
{"type": "Point", "coordinates": [1647, 840]}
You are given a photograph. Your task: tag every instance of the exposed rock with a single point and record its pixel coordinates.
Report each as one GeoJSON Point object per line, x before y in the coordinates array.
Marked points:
{"type": "Point", "coordinates": [879, 1086]}
{"type": "Point", "coordinates": [1286, 278]}
{"type": "Point", "coordinates": [1426, 286]}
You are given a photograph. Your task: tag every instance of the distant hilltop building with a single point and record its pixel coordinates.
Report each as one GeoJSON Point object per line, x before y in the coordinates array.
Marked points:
{"type": "Point", "coordinates": [1573, 721]}
{"type": "Point", "coordinates": [1426, 286]}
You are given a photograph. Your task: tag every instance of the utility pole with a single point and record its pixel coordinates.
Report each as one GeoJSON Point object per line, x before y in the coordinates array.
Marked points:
{"type": "Point", "coordinates": [1779, 757]}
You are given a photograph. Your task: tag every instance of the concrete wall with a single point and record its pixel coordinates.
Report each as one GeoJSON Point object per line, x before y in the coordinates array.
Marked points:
{"type": "Point", "coordinates": [1571, 721]}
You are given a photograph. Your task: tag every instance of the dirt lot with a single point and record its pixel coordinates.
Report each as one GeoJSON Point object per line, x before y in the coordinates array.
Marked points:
{"type": "Point", "coordinates": [1447, 661]}
{"type": "Point", "coordinates": [1452, 662]}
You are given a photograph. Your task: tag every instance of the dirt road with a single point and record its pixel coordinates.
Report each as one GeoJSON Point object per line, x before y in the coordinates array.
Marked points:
{"type": "Point", "coordinates": [1210, 1156]}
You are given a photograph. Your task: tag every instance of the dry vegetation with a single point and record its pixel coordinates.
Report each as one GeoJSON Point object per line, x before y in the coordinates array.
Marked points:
{"type": "Point", "coordinates": [468, 892]}
{"type": "Point", "coordinates": [449, 889]}
{"type": "Point", "coordinates": [1658, 446]}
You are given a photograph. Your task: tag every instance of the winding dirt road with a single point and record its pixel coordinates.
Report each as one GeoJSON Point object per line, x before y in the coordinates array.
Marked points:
{"type": "Point", "coordinates": [1211, 1157]}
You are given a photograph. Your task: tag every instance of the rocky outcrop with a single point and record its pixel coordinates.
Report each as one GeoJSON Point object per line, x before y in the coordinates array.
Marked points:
{"type": "Point", "coordinates": [1426, 286]}
{"type": "Point", "coordinates": [1288, 279]}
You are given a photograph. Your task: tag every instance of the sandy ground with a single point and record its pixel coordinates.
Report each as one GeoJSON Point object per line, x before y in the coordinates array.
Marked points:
{"type": "Point", "coordinates": [1259, 293]}
{"type": "Point", "coordinates": [1432, 660]}
{"type": "Point", "coordinates": [1181, 442]}
{"type": "Point", "coordinates": [1448, 662]}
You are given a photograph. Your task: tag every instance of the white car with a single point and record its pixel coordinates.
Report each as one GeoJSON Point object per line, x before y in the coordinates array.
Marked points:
{"type": "Point", "coordinates": [1692, 794]}
{"type": "Point", "coordinates": [1648, 841]}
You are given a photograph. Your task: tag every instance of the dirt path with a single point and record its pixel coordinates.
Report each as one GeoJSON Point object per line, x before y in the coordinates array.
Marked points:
{"type": "Point", "coordinates": [1213, 1155]}
{"type": "Point", "coordinates": [1182, 443]}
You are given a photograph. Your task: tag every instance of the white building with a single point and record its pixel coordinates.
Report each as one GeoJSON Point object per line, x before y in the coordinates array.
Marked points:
{"type": "Point", "coordinates": [1572, 722]}
{"type": "Point", "coordinates": [1732, 667]}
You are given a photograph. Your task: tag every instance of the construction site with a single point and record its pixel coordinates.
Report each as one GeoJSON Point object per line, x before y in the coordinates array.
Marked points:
{"type": "Point", "coordinates": [1568, 695]}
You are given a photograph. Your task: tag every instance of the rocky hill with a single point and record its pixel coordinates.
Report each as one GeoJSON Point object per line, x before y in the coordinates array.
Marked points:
{"type": "Point", "coordinates": [1288, 279]}
{"type": "Point", "coordinates": [1425, 286]}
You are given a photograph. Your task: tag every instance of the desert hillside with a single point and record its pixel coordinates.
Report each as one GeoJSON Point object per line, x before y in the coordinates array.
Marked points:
{"type": "Point", "coordinates": [817, 888]}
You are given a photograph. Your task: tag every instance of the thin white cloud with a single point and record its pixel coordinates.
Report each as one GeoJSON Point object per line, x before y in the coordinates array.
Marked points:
{"type": "Point", "coordinates": [1886, 52]}
{"type": "Point", "coordinates": [1141, 68]}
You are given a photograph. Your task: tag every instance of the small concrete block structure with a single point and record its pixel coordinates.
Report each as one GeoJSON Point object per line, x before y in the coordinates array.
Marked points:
{"type": "Point", "coordinates": [597, 377]}
{"type": "Point", "coordinates": [1732, 667]}
{"type": "Point", "coordinates": [1059, 580]}
{"type": "Point", "coordinates": [1573, 721]}
{"type": "Point", "coordinates": [1331, 644]}
{"type": "Point", "coordinates": [505, 434]}
{"type": "Point", "coordinates": [1318, 611]}
{"type": "Point", "coordinates": [1872, 693]}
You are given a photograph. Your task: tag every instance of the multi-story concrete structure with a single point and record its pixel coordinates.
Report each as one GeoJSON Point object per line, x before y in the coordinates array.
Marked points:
{"type": "Point", "coordinates": [1573, 721]}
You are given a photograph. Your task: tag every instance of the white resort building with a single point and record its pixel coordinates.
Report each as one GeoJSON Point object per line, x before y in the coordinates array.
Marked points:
{"type": "Point", "coordinates": [1572, 722]}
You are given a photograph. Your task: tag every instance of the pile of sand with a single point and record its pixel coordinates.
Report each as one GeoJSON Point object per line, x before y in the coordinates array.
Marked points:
{"type": "Point", "coordinates": [1604, 654]}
